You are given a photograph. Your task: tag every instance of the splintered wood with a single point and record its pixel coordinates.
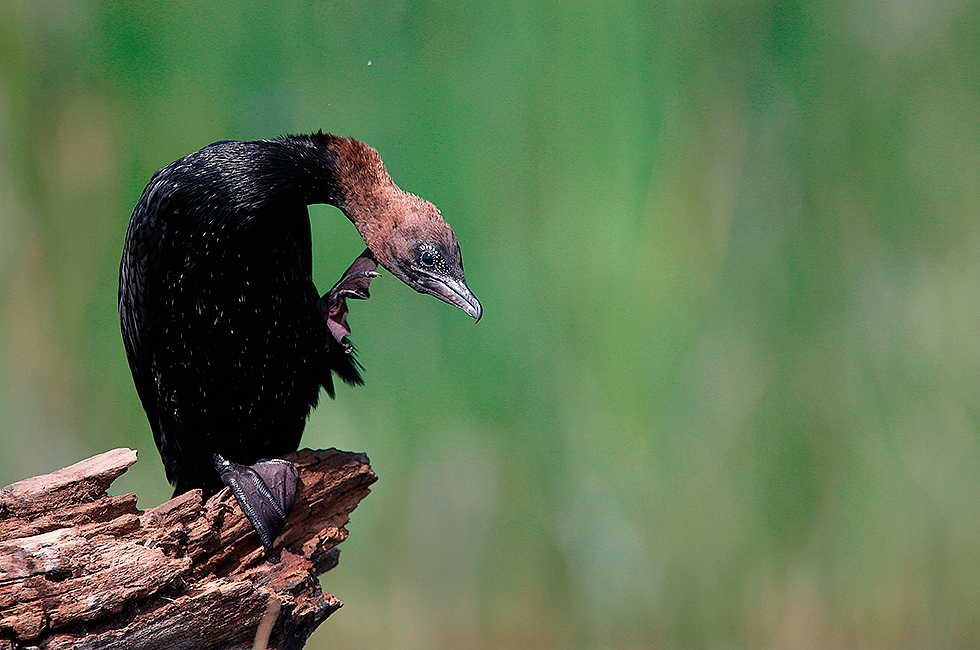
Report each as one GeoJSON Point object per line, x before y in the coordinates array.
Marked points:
{"type": "Point", "coordinates": [81, 569]}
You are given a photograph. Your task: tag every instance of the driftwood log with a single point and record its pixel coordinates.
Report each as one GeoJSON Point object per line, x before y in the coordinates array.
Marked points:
{"type": "Point", "coordinates": [81, 569]}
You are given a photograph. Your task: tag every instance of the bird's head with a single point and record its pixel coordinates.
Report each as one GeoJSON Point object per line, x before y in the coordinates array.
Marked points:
{"type": "Point", "coordinates": [404, 233]}
{"type": "Point", "coordinates": [420, 249]}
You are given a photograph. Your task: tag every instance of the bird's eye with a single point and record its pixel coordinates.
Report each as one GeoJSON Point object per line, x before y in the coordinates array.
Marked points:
{"type": "Point", "coordinates": [428, 258]}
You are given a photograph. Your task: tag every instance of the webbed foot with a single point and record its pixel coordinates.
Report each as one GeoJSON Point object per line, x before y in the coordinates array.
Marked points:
{"type": "Point", "coordinates": [265, 491]}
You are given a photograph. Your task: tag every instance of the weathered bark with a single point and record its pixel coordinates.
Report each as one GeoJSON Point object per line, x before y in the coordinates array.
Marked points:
{"type": "Point", "coordinates": [80, 569]}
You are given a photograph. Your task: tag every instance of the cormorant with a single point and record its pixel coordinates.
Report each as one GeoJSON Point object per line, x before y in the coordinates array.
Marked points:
{"type": "Point", "coordinates": [227, 338]}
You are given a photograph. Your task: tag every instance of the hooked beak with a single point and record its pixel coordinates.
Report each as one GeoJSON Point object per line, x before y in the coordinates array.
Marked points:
{"type": "Point", "coordinates": [455, 292]}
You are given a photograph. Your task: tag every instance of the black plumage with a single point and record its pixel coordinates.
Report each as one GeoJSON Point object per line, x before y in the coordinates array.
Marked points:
{"type": "Point", "coordinates": [227, 336]}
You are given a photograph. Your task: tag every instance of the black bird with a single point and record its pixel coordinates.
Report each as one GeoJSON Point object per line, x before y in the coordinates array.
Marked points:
{"type": "Point", "coordinates": [227, 337]}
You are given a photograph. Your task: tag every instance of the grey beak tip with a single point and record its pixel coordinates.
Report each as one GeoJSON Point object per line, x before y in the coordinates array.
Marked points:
{"type": "Point", "coordinates": [473, 306]}
{"type": "Point", "coordinates": [455, 292]}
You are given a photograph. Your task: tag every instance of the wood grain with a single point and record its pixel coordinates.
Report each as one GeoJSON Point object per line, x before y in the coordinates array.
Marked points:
{"type": "Point", "coordinates": [81, 569]}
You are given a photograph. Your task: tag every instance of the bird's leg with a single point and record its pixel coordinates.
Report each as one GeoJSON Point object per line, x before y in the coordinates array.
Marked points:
{"type": "Point", "coordinates": [353, 284]}
{"type": "Point", "coordinates": [265, 491]}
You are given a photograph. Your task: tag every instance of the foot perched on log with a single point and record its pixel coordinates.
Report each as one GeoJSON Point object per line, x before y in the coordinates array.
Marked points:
{"type": "Point", "coordinates": [81, 569]}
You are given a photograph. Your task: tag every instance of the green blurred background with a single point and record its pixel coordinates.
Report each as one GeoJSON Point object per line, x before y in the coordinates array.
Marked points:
{"type": "Point", "coordinates": [725, 391]}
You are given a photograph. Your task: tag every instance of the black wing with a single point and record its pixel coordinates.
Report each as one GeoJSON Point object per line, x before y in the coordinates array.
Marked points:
{"type": "Point", "coordinates": [143, 255]}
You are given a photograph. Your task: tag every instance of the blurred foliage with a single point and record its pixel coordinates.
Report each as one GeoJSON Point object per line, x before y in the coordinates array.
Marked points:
{"type": "Point", "coordinates": [725, 390]}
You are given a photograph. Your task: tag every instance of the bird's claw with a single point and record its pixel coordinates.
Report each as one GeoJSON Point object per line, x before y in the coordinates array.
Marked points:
{"type": "Point", "coordinates": [355, 283]}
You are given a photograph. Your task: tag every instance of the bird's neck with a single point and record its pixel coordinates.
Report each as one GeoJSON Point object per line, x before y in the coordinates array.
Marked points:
{"type": "Point", "coordinates": [363, 190]}
{"type": "Point", "coordinates": [349, 174]}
